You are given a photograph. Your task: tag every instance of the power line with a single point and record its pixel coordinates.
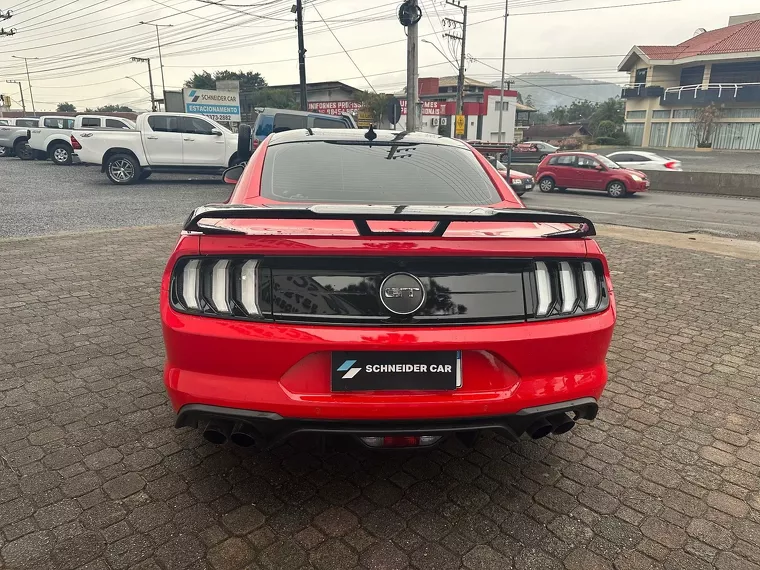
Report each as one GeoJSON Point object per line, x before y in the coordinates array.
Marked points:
{"type": "Point", "coordinates": [343, 48]}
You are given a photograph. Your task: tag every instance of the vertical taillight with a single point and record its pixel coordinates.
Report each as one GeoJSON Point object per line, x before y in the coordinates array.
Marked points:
{"type": "Point", "coordinates": [75, 143]}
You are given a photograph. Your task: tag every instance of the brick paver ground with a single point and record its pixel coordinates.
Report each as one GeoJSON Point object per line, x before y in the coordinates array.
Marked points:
{"type": "Point", "coordinates": [93, 475]}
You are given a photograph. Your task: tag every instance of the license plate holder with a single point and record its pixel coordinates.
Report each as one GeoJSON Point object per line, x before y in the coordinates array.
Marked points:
{"type": "Point", "coordinates": [354, 371]}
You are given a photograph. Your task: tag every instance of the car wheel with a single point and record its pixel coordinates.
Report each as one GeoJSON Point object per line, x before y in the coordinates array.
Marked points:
{"type": "Point", "coordinates": [546, 184]}
{"type": "Point", "coordinates": [145, 174]}
{"type": "Point", "coordinates": [616, 189]}
{"type": "Point", "coordinates": [123, 169]}
{"type": "Point", "coordinates": [22, 150]}
{"type": "Point", "coordinates": [60, 154]}
{"type": "Point", "coordinates": [4, 151]}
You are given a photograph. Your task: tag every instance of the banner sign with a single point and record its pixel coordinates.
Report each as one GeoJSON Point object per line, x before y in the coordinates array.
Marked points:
{"type": "Point", "coordinates": [334, 107]}
{"type": "Point", "coordinates": [428, 107]}
{"type": "Point", "coordinates": [216, 105]}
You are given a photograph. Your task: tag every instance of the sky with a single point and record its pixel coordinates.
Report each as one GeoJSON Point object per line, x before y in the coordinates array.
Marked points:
{"type": "Point", "coordinates": [84, 46]}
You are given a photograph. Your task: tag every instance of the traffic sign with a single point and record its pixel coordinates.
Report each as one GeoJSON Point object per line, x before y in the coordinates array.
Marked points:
{"type": "Point", "coordinates": [459, 126]}
{"type": "Point", "coordinates": [393, 110]}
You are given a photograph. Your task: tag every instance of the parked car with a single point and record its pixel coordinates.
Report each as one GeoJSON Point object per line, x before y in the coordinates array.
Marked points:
{"type": "Point", "coordinates": [530, 151]}
{"type": "Point", "coordinates": [160, 142]}
{"type": "Point", "coordinates": [269, 120]}
{"type": "Point", "coordinates": [641, 160]}
{"type": "Point", "coordinates": [519, 181]}
{"type": "Point", "coordinates": [296, 306]}
{"type": "Point", "coordinates": [52, 138]}
{"type": "Point", "coordinates": [14, 137]}
{"type": "Point", "coordinates": [588, 171]}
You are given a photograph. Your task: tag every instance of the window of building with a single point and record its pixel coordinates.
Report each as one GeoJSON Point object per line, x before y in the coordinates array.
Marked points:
{"type": "Point", "coordinates": [682, 136]}
{"type": "Point", "coordinates": [661, 114]}
{"type": "Point", "coordinates": [504, 107]}
{"type": "Point", "coordinates": [641, 76]}
{"type": "Point", "coordinates": [753, 113]}
{"type": "Point", "coordinates": [635, 132]}
{"type": "Point", "coordinates": [636, 115]}
{"type": "Point", "coordinates": [742, 72]}
{"type": "Point", "coordinates": [658, 134]}
{"type": "Point", "coordinates": [683, 113]}
{"type": "Point", "coordinates": [692, 75]}
{"type": "Point", "coordinates": [738, 136]}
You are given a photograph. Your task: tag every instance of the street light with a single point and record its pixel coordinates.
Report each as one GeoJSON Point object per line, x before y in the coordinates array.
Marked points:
{"type": "Point", "coordinates": [150, 79]}
{"type": "Point", "coordinates": [158, 41]}
{"type": "Point", "coordinates": [443, 54]}
{"type": "Point", "coordinates": [28, 81]}
{"type": "Point", "coordinates": [138, 83]}
{"type": "Point", "coordinates": [21, 92]}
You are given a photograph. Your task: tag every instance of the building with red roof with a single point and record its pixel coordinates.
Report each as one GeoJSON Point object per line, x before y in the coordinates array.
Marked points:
{"type": "Point", "coordinates": [670, 83]}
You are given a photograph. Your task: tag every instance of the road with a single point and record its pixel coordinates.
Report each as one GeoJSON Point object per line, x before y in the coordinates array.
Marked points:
{"type": "Point", "coordinates": [94, 475]}
{"type": "Point", "coordinates": [39, 198]}
{"type": "Point", "coordinates": [724, 216]}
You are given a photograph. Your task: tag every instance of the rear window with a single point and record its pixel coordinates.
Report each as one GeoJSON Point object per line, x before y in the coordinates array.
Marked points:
{"type": "Point", "coordinates": [322, 123]}
{"type": "Point", "coordinates": [114, 124]}
{"type": "Point", "coordinates": [325, 172]}
{"type": "Point", "coordinates": [288, 122]}
{"type": "Point", "coordinates": [27, 123]}
{"type": "Point", "coordinates": [90, 122]}
{"type": "Point", "coordinates": [59, 123]}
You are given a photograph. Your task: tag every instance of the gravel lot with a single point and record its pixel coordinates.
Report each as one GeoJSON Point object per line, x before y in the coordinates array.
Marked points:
{"type": "Point", "coordinates": [93, 475]}
{"type": "Point", "coordinates": [41, 198]}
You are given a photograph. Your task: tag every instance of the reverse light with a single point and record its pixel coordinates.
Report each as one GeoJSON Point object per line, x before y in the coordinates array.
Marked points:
{"type": "Point", "coordinates": [219, 286]}
{"type": "Point", "coordinates": [591, 285]}
{"type": "Point", "coordinates": [191, 285]}
{"type": "Point", "coordinates": [248, 286]}
{"type": "Point", "coordinates": [214, 286]}
{"type": "Point", "coordinates": [400, 440]}
{"type": "Point", "coordinates": [567, 286]}
{"type": "Point", "coordinates": [544, 288]}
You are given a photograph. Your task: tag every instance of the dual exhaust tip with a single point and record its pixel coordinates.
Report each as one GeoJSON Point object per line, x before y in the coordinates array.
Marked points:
{"type": "Point", "coordinates": [556, 424]}
{"type": "Point", "coordinates": [239, 433]}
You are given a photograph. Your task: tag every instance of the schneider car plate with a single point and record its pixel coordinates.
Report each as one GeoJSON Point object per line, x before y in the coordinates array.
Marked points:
{"type": "Point", "coordinates": [381, 370]}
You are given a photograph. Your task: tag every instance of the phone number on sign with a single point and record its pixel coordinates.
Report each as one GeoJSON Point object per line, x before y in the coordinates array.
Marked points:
{"type": "Point", "coordinates": [220, 117]}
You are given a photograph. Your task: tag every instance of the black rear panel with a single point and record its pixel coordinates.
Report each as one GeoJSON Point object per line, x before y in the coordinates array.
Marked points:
{"type": "Point", "coordinates": [347, 290]}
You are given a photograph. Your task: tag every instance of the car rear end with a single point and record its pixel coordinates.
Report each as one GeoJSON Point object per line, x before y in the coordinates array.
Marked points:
{"type": "Point", "coordinates": [393, 324]}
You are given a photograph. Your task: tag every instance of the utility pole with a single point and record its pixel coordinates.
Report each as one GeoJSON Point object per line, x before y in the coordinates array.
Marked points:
{"type": "Point", "coordinates": [503, 66]}
{"type": "Point", "coordinates": [463, 40]}
{"type": "Point", "coordinates": [21, 92]}
{"type": "Point", "coordinates": [150, 79]}
{"type": "Point", "coordinates": [298, 9]}
{"type": "Point", "coordinates": [409, 15]}
{"type": "Point", "coordinates": [158, 41]}
{"type": "Point", "coordinates": [28, 80]}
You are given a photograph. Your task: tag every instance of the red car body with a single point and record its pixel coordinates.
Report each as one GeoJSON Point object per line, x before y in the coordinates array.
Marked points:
{"type": "Point", "coordinates": [588, 171]}
{"type": "Point", "coordinates": [262, 379]}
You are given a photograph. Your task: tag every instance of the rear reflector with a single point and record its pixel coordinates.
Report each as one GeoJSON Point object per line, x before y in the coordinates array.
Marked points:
{"type": "Point", "coordinates": [400, 440]}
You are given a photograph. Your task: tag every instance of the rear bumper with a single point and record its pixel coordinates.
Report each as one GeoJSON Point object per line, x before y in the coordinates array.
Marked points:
{"type": "Point", "coordinates": [286, 369]}
{"type": "Point", "coordinates": [271, 428]}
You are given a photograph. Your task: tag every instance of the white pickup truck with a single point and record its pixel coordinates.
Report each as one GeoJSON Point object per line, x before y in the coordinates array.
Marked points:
{"type": "Point", "coordinates": [161, 142]}
{"type": "Point", "coordinates": [52, 139]}
{"type": "Point", "coordinates": [14, 136]}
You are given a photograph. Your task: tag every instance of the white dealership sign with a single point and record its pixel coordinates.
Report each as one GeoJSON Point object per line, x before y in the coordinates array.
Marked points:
{"type": "Point", "coordinates": [216, 105]}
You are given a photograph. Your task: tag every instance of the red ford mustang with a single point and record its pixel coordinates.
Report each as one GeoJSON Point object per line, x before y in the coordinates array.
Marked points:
{"type": "Point", "coordinates": [385, 285]}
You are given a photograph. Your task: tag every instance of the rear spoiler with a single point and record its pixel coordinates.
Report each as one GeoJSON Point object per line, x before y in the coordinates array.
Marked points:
{"type": "Point", "coordinates": [360, 215]}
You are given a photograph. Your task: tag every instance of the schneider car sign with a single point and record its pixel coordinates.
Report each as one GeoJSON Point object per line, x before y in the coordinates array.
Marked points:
{"type": "Point", "coordinates": [216, 105]}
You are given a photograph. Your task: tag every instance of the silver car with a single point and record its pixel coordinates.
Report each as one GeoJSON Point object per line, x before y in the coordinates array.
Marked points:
{"type": "Point", "coordinates": [13, 137]}
{"type": "Point", "coordinates": [640, 160]}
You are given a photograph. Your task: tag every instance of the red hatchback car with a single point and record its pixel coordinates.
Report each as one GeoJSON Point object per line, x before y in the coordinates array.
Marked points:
{"type": "Point", "coordinates": [588, 171]}
{"type": "Point", "coordinates": [389, 286]}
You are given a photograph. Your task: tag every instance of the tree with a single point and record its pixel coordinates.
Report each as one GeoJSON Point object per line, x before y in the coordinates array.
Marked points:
{"type": "Point", "coordinates": [114, 109]}
{"type": "Point", "coordinates": [540, 118]}
{"type": "Point", "coordinates": [558, 115]}
{"type": "Point", "coordinates": [705, 125]}
{"type": "Point", "coordinates": [612, 109]}
{"type": "Point", "coordinates": [374, 103]}
{"type": "Point", "coordinates": [529, 101]}
{"type": "Point", "coordinates": [606, 129]}
{"type": "Point", "coordinates": [268, 97]}
{"type": "Point", "coordinates": [249, 81]}
{"type": "Point", "coordinates": [66, 108]}
{"type": "Point", "coordinates": [519, 98]}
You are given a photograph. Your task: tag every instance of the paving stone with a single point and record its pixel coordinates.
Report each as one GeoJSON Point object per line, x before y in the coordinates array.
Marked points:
{"type": "Point", "coordinates": [384, 555]}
